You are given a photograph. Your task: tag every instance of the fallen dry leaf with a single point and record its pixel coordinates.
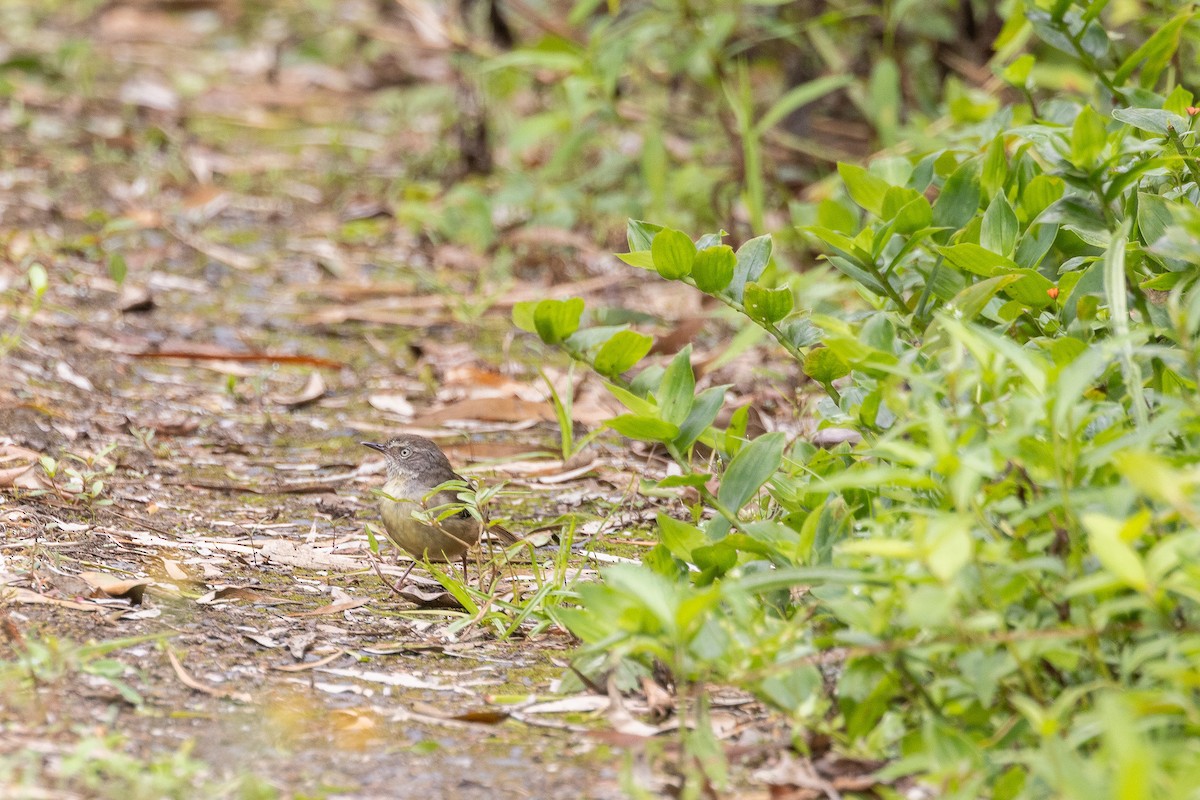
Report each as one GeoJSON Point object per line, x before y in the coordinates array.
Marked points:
{"type": "Point", "coordinates": [333, 608]}
{"type": "Point", "coordinates": [314, 389]}
{"type": "Point", "coordinates": [110, 586]}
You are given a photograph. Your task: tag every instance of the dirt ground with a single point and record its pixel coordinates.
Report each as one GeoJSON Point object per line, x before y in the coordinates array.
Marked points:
{"type": "Point", "coordinates": [235, 299]}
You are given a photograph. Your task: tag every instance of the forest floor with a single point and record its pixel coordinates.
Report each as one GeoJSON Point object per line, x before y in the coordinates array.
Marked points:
{"type": "Point", "coordinates": [235, 300]}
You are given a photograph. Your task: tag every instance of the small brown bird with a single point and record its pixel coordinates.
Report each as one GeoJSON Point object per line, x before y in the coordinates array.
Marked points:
{"type": "Point", "coordinates": [416, 466]}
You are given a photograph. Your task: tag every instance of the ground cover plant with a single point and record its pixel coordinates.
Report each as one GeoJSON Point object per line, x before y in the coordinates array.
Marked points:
{"type": "Point", "coordinates": [1002, 563]}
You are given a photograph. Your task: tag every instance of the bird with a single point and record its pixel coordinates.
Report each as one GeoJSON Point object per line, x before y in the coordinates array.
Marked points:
{"type": "Point", "coordinates": [415, 467]}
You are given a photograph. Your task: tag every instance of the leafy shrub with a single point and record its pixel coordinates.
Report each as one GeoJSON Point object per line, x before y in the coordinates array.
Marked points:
{"type": "Point", "coordinates": [1003, 571]}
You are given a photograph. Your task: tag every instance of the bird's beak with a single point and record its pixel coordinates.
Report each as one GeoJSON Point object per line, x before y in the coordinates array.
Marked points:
{"type": "Point", "coordinates": [373, 446]}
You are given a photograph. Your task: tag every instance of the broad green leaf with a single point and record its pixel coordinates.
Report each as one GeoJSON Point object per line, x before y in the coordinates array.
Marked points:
{"type": "Point", "coordinates": [995, 167]}
{"type": "Point", "coordinates": [117, 268]}
{"type": "Point", "coordinates": [972, 300]}
{"type": "Point", "coordinates": [1035, 243]}
{"type": "Point", "coordinates": [913, 216]}
{"type": "Point", "coordinates": [865, 189]}
{"type": "Point", "coordinates": [677, 391]}
{"type": "Point", "coordinates": [640, 234]}
{"type": "Point", "coordinates": [1017, 73]}
{"type": "Point", "coordinates": [679, 537]}
{"type": "Point", "coordinates": [674, 253]}
{"type": "Point", "coordinates": [555, 320]}
{"type": "Point", "coordinates": [752, 259]}
{"type": "Point", "coordinates": [1088, 137]}
{"type": "Point", "coordinates": [1039, 194]}
{"type": "Point", "coordinates": [644, 428]}
{"type": "Point", "coordinates": [522, 315]}
{"type": "Point", "coordinates": [704, 412]}
{"type": "Point", "coordinates": [635, 403]}
{"type": "Point", "coordinates": [947, 546]}
{"type": "Point", "coordinates": [713, 268]}
{"type": "Point", "coordinates": [621, 352]}
{"type": "Point", "coordinates": [653, 592]}
{"type": "Point", "coordinates": [959, 199]}
{"type": "Point", "coordinates": [977, 260]}
{"type": "Point", "coordinates": [998, 232]}
{"type": "Point", "coordinates": [750, 469]}
{"type": "Point", "coordinates": [824, 366]}
{"type": "Point", "coordinates": [1151, 120]}
{"type": "Point", "coordinates": [767, 305]}
{"type": "Point", "coordinates": [589, 338]}
{"type": "Point", "coordinates": [642, 259]}
{"type": "Point", "coordinates": [1032, 289]}
{"type": "Point", "coordinates": [1114, 554]}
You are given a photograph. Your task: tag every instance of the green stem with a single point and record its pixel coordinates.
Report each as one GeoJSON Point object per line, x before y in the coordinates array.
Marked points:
{"type": "Point", "coordinates": [1188, 160]}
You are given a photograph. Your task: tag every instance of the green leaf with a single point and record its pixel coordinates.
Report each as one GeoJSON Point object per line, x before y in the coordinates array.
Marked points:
{"type": "Point", "coordinates": [865, 189]}
{"type": "Point", "coordinates": [801, 96]}
{"type": "Point", "coordinates": [1039, 194]}
{"type": "Point", "coordinates": [621, 352]}
{"type": "Point", "coordinates": [1155, 53]}
{"type": "Point", "coordinates": [972, 300]}
{"type": "Point", "coordinates": [704, 411]}
{"type": "Point", "coordinates": [1017, 73]}
{"type": "Point", "coordinates": [1113, 552]}
{"type": "Point", "coordinates": [640, 234]}
{"type": "Point", "coordinates": [824, 366]}
{"type": "Point", "coordinates": [978, 260]}
{"type": "Point", "coordinates": [959, 199]}
{"type": "Point", "coordinates": [642, 259]}
{"type": "Point", "coordinates": [750, 469]}
{"type": "Point", "coordinates": [752, 259]}
{"type": "Point", "coordinates": [1151, 120]}
{"type": "Point", "coordinates": [674, 253]}
{"type": "Point", "coordinates": [1031, 289]}
{"type": "Point", "coordinates": [117, 268]}
{"type": "Point", "coordinates": [713, 268]}
{"type": "Point", "coordinates": [644, 428]}
{"type": "Point", "coordinates": [1088, 137]}
{"type": "Point", "coordinates": [995, 167]}
{"type": "Point", "coordinates": [998, 232]}
{"type": "Point", "coordinates": [767, 305]}
{"type": "Point", "coordinates": [38, 279]}
{"type": "Point", "coordinates": [555, 320]}
{"type": "Point", "coordinates": [679, 537]}
{"type": "Point", "coordinates": [913, 216]}
{"type": "Point", "coordinates": [522, 315]}
{"type": "Point", "coordinates": [677, 391]}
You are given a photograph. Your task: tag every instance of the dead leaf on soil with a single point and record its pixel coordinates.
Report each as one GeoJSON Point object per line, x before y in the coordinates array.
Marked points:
{"type": "Point", "coordinates": [16, 595]}
{"type": "Point", "coordinates": [112, 587]}
{"type": "Point", "coordinates": [393, 404]}
{"type": "Point", "coordinates": [18, 468]}
{"type": "Point", "coordinates": [314, 389]}
{"type": "Point", "coordinates": [174, 571]}
{"type": "Point", "coordinates": [333, 608]}
{"type": "Point", "coordinates": [226, 594]}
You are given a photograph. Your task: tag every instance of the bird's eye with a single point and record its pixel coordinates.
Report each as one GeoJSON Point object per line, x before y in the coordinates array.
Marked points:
{"type": "Point", "coordinates": [405, 452]}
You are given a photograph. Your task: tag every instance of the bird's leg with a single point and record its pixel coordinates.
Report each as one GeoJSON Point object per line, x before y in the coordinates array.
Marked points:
{"type": "Point", "coordinates": [400, 583]}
